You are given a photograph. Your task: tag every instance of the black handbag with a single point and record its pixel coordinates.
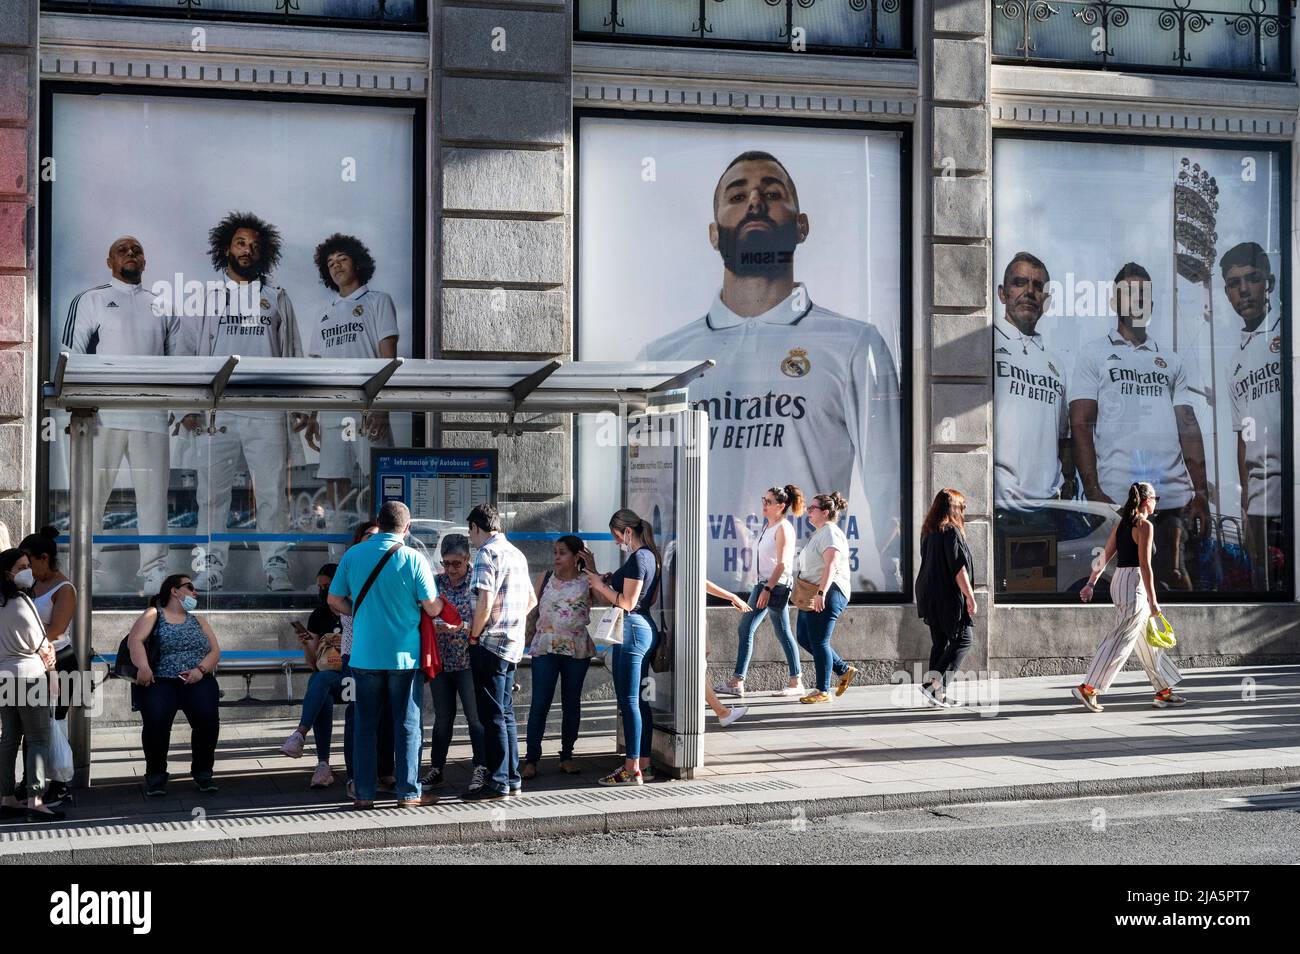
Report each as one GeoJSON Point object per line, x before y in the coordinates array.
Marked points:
{"type": "Point", "coordinates": [123, 667]}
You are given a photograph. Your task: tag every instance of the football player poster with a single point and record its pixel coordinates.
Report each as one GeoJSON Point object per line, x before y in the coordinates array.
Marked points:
{"type": "Point", "coordinates": [775, 251]}
{"type": "Point", "coordinates": [296, 218]}
{"type": "Point", "coordinates": [1146, 341]}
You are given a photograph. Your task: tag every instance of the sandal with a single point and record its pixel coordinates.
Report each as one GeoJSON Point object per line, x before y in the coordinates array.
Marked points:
{"type": "Point", "coordinates": [529, 770]}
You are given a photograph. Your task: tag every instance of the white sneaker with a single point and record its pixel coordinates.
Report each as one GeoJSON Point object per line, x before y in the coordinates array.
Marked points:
{"type": "Point", "coordinates": [152, 583]}
{"type": "Point", "coordinates": [478, 779]}
{"type": "Point", "coordinates": [293, 745]}
{"type": "Point", "coordinates": [736, 713]}
{"type": "Point", "coordinates": [323, 777]}
{"type": "Point", "coordinates": [724, 688]}
{"type": "Point", "coordinates": [277, 580]}
{"type": "Point", "coordinates": [207, 581]}
{"type": "Point", "coordinates": [798, 690]}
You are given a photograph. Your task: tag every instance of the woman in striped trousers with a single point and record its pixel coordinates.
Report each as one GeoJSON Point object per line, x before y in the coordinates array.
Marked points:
{"type": "Point", "coordinates": [1133, 591]}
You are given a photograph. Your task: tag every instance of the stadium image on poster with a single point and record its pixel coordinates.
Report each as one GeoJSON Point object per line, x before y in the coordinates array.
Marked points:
{"type": "Point", "coordinates": [1146, 342]}
{"type": "Point", "coordinates": [216, 227]}
{"type": "Point", "coordinates": [775, 251]}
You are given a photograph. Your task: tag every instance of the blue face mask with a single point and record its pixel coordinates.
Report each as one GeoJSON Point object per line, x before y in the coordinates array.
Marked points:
{"type": "Point", "coordinates": [189, 603]}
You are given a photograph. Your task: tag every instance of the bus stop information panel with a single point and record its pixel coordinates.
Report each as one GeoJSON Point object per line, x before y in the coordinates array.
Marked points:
{"type": "Point", "coordinates": [437, 485]}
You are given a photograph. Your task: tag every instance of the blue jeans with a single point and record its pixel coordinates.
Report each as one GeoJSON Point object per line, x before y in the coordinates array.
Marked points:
{"type": "Point", "coordinates": [318, 708]}
{"type": "Point", "coordinates": [548, 669]}
{"type": "Point", "coordinates": [815, 636]}
{"type": "Point", "coordinates": [494, 682]}
{"type": "Point", "coordinates": [350, 730]}
{"type": "Point", "coordinates": [443, 691]}
{"type": "Point", "coordinates": [631, 667]}
{"type": "Point", "coordinates": [751, 621]}
{"type": "Point", "coordinates": [400, 688]}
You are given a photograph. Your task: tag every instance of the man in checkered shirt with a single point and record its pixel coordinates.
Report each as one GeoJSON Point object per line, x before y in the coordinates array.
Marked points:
{"type": "Point", "coordinates": [504, 597]}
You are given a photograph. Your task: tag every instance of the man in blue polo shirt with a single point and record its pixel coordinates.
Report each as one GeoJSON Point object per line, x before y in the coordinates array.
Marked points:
{"type": "Point", "coordinates": [386, 649]}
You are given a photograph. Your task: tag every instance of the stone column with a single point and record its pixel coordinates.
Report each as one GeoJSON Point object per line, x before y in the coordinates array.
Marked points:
{"type": "Point", "coordinates": [501, 223]}
{"type": "Point", "coordinates": [956, 197]}
{"type": "Point", "coordinates": [18, 145]}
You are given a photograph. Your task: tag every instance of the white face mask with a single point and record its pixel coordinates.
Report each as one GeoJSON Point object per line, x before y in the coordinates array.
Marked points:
{"type": "Point", "coordinates": [24, 579]}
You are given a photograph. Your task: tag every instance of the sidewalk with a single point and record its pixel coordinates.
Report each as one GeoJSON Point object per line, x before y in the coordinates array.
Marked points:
{"type": "Point", "coordinates": [867, 751]}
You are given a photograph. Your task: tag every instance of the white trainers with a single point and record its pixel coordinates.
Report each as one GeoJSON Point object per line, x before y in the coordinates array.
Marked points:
{"type": "Point", "coordinates": [798, 690]}
{"type": "Point", "coordinates": [736, 713]}
{"type": "Point", "coordinates": [478, 779]}
{"type": "Point", "coordinates": [207, 581]}
{"type": "Point", "coordinates": [152, 583]}
{"type": "Point", "coordinates": [725, 688]}
{"type": "Point", "coordinates": [277, 579]}
{"type": "Point", "coordinates": [323, 777]}
{"type": "Point", "coordinates": [293, 745]}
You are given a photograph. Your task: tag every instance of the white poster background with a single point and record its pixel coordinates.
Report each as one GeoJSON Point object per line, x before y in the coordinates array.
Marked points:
{"type": "Point", "coordinates": [646, 266]}
{"type": "Point", "coordinates": [166, 169]}
{"type": "Point", "coordinates": [1086, 208]}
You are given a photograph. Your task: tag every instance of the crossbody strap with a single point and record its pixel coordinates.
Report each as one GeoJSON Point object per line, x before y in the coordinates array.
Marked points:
{"type": "Point", "coordinates": [370, 580]}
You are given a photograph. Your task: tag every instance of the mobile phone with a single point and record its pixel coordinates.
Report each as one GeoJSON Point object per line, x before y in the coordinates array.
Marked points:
{"type": "Point", "coordinates": [582, 565]}
{"type": "Point", "coordinates": [298, 627]}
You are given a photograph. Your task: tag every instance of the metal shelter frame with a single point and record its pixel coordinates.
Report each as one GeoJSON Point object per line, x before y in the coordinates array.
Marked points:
{"type": "Point", "coordinates": [84, 384]}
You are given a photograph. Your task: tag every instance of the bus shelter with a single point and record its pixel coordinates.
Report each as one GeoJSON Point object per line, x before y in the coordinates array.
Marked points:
{"type": "Point", "coordinates": [660, 442]}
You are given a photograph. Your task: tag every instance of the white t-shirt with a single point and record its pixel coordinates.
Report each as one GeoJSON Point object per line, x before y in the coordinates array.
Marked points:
{"type": "Point", "coordinates": [117, 318]}
{"type": "Point", "coordinates": [235, 324]}
{"type": "Point", "coordinates": [352, 327]}
{"type": "Point", "coordinates": [799, 395]}
{"type": "Point", "coordinates": [1255, 383]}
{"type": "Point", "coordinates": [810, 557]}
{"type": "Point", "coordinates": [1136, 388]}
{"type": "Point", "coordinates": [1032, 415]}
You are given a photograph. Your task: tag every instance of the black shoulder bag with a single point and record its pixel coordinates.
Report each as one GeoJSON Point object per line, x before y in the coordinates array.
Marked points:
{"type": "Point", "coordinates": [123, 667]}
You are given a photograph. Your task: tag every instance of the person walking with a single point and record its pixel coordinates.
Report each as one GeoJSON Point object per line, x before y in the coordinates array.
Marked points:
{"type": "Point", "coordinates": [632, 588]}
{"type": "Point", "coordinates": [824, 561]}
{"type": "Point", "coordinates": [26, 657]}
{"type": "Point", "coordinates": [322, 642]}
{"type": "Point", "coordinates": [183, 681]}
{"type": "Point", "coordinates": [55, 599]}
{"type": "Point", "coordinates": [944, 598]}
{"type": "Point", "coordinates": [456, 678]}
{"type": "Point", "coordinates": [727, 715]}
{"type": "Point", "coordinates": [561, 651]}
{"type": "Point", "coordinates": [1133, 591]}
{"type": "Point", "coordinates": [771, 594]}
{"type": "Point", "coordinates": [393, 584]}
{"type": "Point", "coordinates": [504, 597]}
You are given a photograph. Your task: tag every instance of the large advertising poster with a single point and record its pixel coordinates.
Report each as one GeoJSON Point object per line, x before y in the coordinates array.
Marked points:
{"type": "Point", "coordinates": [1141, 335]}
{"type": "Point", "coordinates": [183, 225]}
{"type": "Point", "coordinates": [776, 251]}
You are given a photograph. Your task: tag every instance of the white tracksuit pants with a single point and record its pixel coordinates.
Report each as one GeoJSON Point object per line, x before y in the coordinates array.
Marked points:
{"type": "Point", "coordinates": [148, 458]}
{"type": "Point", "coordinates": [262, 441]}
{"type": "Point", "coordinates": [1132, 610]}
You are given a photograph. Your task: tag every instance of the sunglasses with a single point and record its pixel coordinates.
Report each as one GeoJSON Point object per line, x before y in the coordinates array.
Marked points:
{"type": "Point", "coordinates": [453, 562]}
{"type": "Point", "coordinates": [187, 586]}
{"type": "Point", "coordinates": [814, 507]}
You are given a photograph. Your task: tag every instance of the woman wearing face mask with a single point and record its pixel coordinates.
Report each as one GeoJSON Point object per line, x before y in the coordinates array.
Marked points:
{"type": "Point", "coordinates": [561, 651]}
{"type": "Point", "coordinates": [183, 682]}
{"type": "Point", "coordinates": [56, 601]}
{"type": "Point", "coordinates": [633, 588]}
{"type": "Point", "coordinates": [323, 630]}
{"type": "Point", "coordinates": [26, 657]}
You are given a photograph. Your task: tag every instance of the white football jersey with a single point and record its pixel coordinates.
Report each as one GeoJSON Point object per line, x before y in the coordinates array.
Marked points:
{"type": "Point", "coordinates": [1136, 388]}
{"type": "Point", "coordinates": [1255, 380]}
{"type": "Point", "coordinates": [117, 318]}
{"type": "Point", "coordinates": [352, 327]}
{"type": "Point", "coordinates": [1032, 415]}
{"type": "Point", "coordinates": [251, 320]}
{"type": "Point", "coordinates": [799, 395]}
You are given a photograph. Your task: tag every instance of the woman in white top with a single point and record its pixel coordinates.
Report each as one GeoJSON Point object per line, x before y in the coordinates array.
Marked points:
{"type": "Point", "coordinates": [25, 659]}
{"type": "Point", "coordinates": [774, 561]}
{"type": "Point", "coordinates": [825, 561]}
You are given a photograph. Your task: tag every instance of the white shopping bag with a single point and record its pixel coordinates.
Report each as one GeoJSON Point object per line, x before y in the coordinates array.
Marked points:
{"type": "Point", "coordinates": [59, 767]}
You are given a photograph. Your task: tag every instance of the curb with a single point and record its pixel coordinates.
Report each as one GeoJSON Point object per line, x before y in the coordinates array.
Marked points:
{"type": "Point", "coordinates": [468, 823]}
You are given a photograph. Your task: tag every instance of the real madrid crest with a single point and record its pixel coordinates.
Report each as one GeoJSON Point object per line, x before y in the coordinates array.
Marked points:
{"type": "Point", "coordinates": [1160, 363]}
{"type": "Point", "coordinates": [796, 363]}
{"type": "Point", "coordinates": [1275, 345]}
{"type": "Point", "coordinates": [265, 303]}
{"type": "Point", "coordinates": [357, 311]}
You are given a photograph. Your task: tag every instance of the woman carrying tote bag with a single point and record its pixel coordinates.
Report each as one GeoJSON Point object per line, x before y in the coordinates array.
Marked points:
{"type": "Point", "coordinates": [944, 598]}
{"type": "Point", "coordinates": [821, 591]}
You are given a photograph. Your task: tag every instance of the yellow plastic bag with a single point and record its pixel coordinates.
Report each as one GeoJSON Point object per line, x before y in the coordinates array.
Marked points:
{"type": "Point", "coordinates": [1159, 633]}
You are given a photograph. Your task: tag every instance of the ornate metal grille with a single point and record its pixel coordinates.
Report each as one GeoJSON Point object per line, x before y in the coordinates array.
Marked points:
{"type": "Point", "coordinates": [382, 14]}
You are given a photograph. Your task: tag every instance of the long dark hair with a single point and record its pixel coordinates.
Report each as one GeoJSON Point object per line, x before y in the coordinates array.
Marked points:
{"type": "Point", "coordinates": [164, 594]}
{"type": "Point", "coordinates": [789, 497]}
{"type": "Point", "coordinates": [948, 510]}
{"type": "Point", "coordinates": [43, 543]}
{"type": "Point", "coordinates": [8, 588]}
{"type": "Point", "coordinates": [630, 520]}
{"type": "Point", "coordinates": [1138, 491]}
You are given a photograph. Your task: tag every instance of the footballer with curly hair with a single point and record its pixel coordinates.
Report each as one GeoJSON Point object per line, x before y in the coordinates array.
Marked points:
{"type": "Point", "coordinates": [359, 322]}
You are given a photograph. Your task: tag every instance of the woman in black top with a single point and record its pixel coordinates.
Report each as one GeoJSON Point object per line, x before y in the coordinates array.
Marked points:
{"type": "Point", "coordinates": [1133, 591]}
{"type": "Point", "coordinates": [634, 589]}
{"type": "Point", "coordinates": [944, 598]}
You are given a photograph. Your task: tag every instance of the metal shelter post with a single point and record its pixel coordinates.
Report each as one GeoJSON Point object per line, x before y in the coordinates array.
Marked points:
{"type": "Point", "coordinates": [81, 487]}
